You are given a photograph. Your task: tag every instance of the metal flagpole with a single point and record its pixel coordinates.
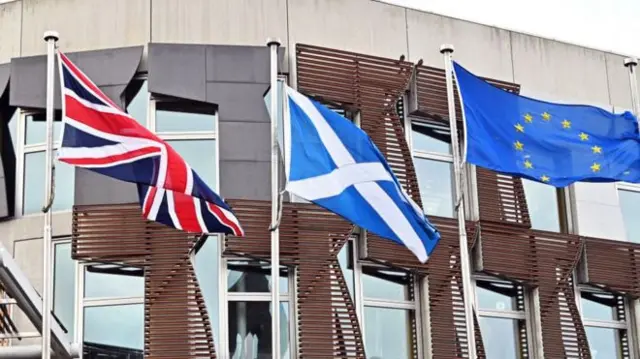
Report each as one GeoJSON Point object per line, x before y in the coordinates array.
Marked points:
{"type": "Point", "coordinates": [51, 37]}
{"type": "Point", "coordinates": [458, 173]}
{"type": "Point", "coordinates": [275, 192]}
{"type": "Point", "coordinates": [631, 64]}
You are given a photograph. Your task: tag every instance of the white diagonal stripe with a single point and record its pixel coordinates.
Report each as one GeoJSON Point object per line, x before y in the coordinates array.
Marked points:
{"type": "Point", "coordinates": [335, 182]}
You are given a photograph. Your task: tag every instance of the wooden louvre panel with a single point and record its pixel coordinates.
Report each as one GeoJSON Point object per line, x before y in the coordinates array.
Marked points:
{"type": "Point", "coordinates": [310, 240]}
{"type": "Point", "coordinates": [176, 321]}
{"type": "Point", "coordinates": [613, 264]}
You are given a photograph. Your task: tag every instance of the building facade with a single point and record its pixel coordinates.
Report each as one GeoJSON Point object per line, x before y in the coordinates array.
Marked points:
{"type": "Point", "coordinates": [555, 272]}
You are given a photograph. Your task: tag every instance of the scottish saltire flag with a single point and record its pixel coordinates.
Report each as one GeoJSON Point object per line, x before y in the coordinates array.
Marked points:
{"type": "Point", "coordinates": [101, 137]}
{"type": "Point", "coordinates": [556, 144]}
{"type": "Point", "coordinates": [334, 164]}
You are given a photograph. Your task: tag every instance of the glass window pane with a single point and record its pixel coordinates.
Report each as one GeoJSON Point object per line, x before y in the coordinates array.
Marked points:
{"type": "Point", "coordinates": [253, 277]}
{"type": "Point", "coordinates": [346, 266]}
{"type": "Point", "coordinates": [34, 184]}
{"type": "Point", "coordinates": [630, 204]}
{"type": "Point", "coordinates": [139, 105]}
{"type": "Point", "coordinates": [542, 201]}
{"type": "Point", "coordinates": [496, 296]}
{"type": "Point", "coordinates": [436, 187]}
{"type": "Point", "coordinates": [206, 266]}
{"type": "Point", "coordinates": [378, 283]}
{"type": "Point", "coordinates": [102, 281]}
{"type": "Point", "coordinates": [171, 117]}
{"type": "Point", "coordinates": [250, 330]}
{"type": "Point", "coordinates": [13, 129]}
{"type": "Point", "coordinates": [201, 156]}
{"type": "Point", "coordinates": [603, 343]}
{"type": "Point", "coordinates": [64, 283]}
{"type": "Point", "coordinates": [387, 333]}
{"type": "Point", "coordinates": [117, 327]}
{"type": "Point", "coordinates": [431, 138]}
{"type": "Point", "coordinates": [36, 128]}
{"type": "Point", "coordinates": [500, 337]}
{"type": "Point", "coordinates": [599, 306]}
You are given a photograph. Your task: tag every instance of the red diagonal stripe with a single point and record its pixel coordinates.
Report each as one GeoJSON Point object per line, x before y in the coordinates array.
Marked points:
{"type": "Point", "coordinates": [224, 220]}
{"type": "Point", "coordinates": [186, 212]}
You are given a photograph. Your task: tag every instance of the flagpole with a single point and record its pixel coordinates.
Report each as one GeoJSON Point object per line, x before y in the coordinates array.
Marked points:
{"type": "Point", "coordinates": [51, 37]}
{"type": "Point", "coordinates": [631, 64]}
{"type": "Point", "coordinates": [275, 230]}
{"type": "Point", "coordinates": [458, 173]}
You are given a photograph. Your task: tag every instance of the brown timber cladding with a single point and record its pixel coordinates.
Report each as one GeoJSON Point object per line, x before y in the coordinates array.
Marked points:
{"type": "Point", "coordinates": [176, 321]}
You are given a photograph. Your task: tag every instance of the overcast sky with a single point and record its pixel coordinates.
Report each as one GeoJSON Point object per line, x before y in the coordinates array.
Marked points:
{"type": "Point", "coordinates": [610, 25]}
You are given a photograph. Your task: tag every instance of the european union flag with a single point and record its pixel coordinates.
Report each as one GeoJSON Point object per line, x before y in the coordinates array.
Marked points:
{"type": "Point", "coordinates": [557, 144]}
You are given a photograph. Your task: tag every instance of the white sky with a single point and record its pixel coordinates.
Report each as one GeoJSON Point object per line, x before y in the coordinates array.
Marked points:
{"type": "Point", "coordinates": [610, 25]}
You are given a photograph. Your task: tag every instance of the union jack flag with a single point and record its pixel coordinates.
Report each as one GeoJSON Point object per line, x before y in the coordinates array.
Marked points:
{"type": "Point", "coordinates": [101, 137]}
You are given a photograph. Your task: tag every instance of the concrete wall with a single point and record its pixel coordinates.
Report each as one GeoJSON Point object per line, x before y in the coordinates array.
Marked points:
{"type": "Point", "coordinates": [548, 69]}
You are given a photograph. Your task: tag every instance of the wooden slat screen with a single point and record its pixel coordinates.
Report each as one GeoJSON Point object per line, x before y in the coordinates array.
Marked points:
{"type": "Point", "coordinates": [613, 264]}
{"type": "Point", "coordinates": [310, 240]}
{"type": "Point", "coordinates": [176, 321]}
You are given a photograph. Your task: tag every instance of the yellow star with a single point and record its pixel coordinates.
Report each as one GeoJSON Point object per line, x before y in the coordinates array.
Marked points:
{"type": "Point", "coordinates": [546, 116]}
{"type": "Point", "coordinates": [528, 164]}
{"type": "Point", "coordinates": [584, 136]}
{"type": "Point", "coordinates": [518, 145]}
{"type": "Point", "coordinates": [595, 167]}
{"type": "Point", "coordinates": [544, 178]}
{"type": "Point", "coordinates": [566, 124]}
{"type": "Point", "coordinates": [528, 118]}
{"type": "Point", "coordinates": [596, 149]}
{"type": "Point", "coordinates": [519, 127]}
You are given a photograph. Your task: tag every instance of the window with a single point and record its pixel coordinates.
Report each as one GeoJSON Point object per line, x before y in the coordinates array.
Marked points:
{"type": "Point", "coordinates": [249, 310]}
{"type": "Point", "coordinates": [431, 147]}
{"type": "Point", "coordinates": [31, 166]}
{"type": "Point", "coordinates": [387, 304]}
{"type": "Point", "coordinates": [630, 206]}
{"type": "Point", "coordinates": [542, 202]}
{"type": "Point", "coordinates": [502, 318]}
{"type": "Point", "coordinates": [604, 316]}
{"type": "Point", "coordinates": [64, 284]}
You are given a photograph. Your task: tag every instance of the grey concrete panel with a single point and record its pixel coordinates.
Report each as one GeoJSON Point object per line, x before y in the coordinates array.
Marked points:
{"type": "Point", "coordinates": [245, 141]}
{"type": "Point", "coordinates": [245, 180]}
{"type": "Point", "coordinates": [94, 188]}
{"type": "Point", "coordinates": [30, 227]}
{"type": "Point", "coordinates": [177, 70]}
{"type": "Point", "coordinates": [618, 81]}
{"type": "Point", "coordinates": [11, 30]}
{"type": "Point", "coordinates": [83, 25]}
{"type": "Point", "coordinates": [5, 70]}
{"type": "Point", "coordinates": [239, 63]}
{"type": "Point", "coordinates": [239, 101]}
{"type": "Point", "coordinates": [104, 67]}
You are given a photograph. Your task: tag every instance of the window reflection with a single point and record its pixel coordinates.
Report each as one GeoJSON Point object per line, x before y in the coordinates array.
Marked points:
{"type": "Point", "coordinates": [542, 201]}
{"type": "Point", "coordinates": [13, 129]}
{"type": "Point", "coordinates": [138, 106]}
{"type": "Point", "coordinates": [630, 205]}
{"type": "Point", "coordinates": [206, 267]}
{"type": "Point", "coordinates": [64, 286]}
{"type": "Point", "coordinates": [500, 337]}
{"type": "Point", "coordinates": [118, 327]}
{"type": "Point", "coordinates": [112, 281]}
{"type": "Point", "coordinates": [34, 184]}
{"type": "Point", "coordinates": [388, 333]}
{"type": "Point", "coordinates": [431, 137]}
{"type": "Point", "coordinates": [496, 296]}
{"type": "Point", "coordinates": [200, 155]}
{"type": "Point", "coordinates": [435, 181]}
{"type": "Point", "coordinates": [250, 330]}
{"type": "Point", "coordinates": [346, 265]}
{"type": "Point", "coordinates": [599, 306]}
{"type": "Point", "coordinates": [603, 342]}
{"type": "Point", "coordinates": [380, 283]}
{"type": "Point", "coordinates": [253, 276]}
{"type": "Point", "coordinates": [179, 117]}
{"type": "Point", "coordinates": [36, 128]}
